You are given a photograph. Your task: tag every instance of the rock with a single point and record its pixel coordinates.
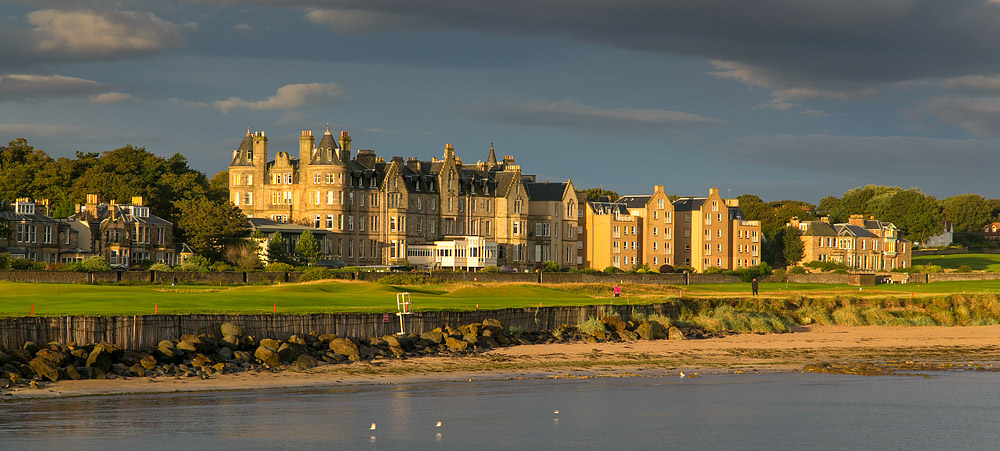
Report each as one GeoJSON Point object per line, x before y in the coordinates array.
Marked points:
{"type": "Point", "coordinates": [288, 352]}
{"type": "Point", "coordinates": [55, 356]}
{"type": "Point", "coordinates": [470, 329]}
{"type": "Point", "coordinates": [326, 338]}
{"type": "Point", "coordinates": [85, 372]}
{"type": "Point", "coordinates": [297, 340]}
{"type": "Point", "coordinates": [613, 323]}
{"type": "Point", "coordinates": [137, 370]}
{"type": "Point", "coordinates": [219, 368]}
{"type": "Point", "coordinates": [305, 361]}
{"type": "Point", "coordinates": [230, 329]}
{"type": "Point", "coordinates": [456, 345]}
{"type": "Point", "coordinates": [10, 376]}
{"type": "Point", "coordinates": [167, 353]}
{"type": "Point", "coordinates": [21, 355]}
{"type": "Point", "coordinates": [99, 358]}
{"type": "Point", "coordinates": [187, 345]}
{"type": "Point", "coordinates": [397, 352]}
{"type": "Point", "coordinates": [346, 347]}
{"type": "Point", "coordinates": [648, 330]}
{"type": "Point", "coordinates": [493, 325]}
{"type": "Point", "coordinates": [267, 355]}
{"type": "Point", "coordinates": [5, 358]}
{"type": "Point", "coordinates": [242, 356]}
{"type": "Point", "coordinates": [148, 362]}
{"type": "Point", "coordinates": [433, 336]}
{"type": "Point", "coordinates": [44, 368]}
{"type": "Point", "coordinates": [30, 346]}
{"type": "Point", "coordinates": [628, 335]}
{"type": "Point", "coordinates": [674, 333]}
{"type": "Point", "coordinates": [486, 343]}
{"type": "Point", "coordinates": [225, 354]}
{"type": "Point", "coordinates": [200, 360]}
{"type": "Point", "coordinates": [399, 341]}
{"type": "Point", "coordinates": [271, 343]}
{"type": "Point", "coordinates": [120, 369]}
{"type": "Point", "coordinates": [230, 341]}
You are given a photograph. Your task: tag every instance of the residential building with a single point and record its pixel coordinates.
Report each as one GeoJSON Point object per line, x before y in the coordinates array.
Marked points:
{"type": "Point", "coordinates": [552, 222]}
{"type": "Point", "coordinates": [34, 235]}
{"type": "Point", "coordinates": [991, 231]}
{"type": "Point", "coordinates": [124, 234]}
{"type": "Point", "coordinates": [657, 215]}
{"type": "Point", "coordinates": [712, 232]}
{"type": "Point", "coordinates": [375, 208]}
{"type": "Point", "coordinates": [944, 238]}
{"type": "Point", "coordinates": [860, 244]}
{"type": "Point", "coordinates": [613, 237]}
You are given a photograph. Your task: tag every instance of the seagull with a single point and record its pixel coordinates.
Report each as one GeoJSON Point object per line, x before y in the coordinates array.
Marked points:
{"type": "Point", "coordinates": [682, 377]}
{"type": "Point", "coordinates": [373, 427]}
{"type": "Point", "coordinates": [438, 424]}
{"type": "Point", "coordinates": [555, 412]}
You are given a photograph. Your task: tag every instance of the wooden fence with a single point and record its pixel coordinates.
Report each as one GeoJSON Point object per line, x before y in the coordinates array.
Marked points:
{"type": "Point", "coordinates": [136, 332]}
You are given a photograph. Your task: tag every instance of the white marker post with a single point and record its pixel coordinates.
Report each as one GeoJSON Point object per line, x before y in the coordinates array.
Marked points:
{"type": "Point", "coordinates": [402, 308]}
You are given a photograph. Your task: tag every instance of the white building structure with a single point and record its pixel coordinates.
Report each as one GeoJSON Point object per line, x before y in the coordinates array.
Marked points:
{"type": "Point", "coordinates": [454, 252]}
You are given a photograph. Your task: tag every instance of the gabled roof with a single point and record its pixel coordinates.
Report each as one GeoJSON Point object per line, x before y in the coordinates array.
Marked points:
{"type": "Point", "coordinates": [689, 203]}
{"type": "Point", "coordinates": [607, 208]}
{"type": "Point", "coordinates": [853, 230]}
{"type": "Point", "coordinates": [819, 228]}
{"type": "Point", "coordinates": [546, 191]}
{"type": "Point", "coordinates": [635, 201]}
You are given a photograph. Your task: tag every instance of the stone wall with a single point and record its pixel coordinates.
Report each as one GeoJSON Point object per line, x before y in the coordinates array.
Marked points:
{"type": "Point", "coordinates": [961, 276]}
{"type": "Point", "coordinates": [919, 252]}
{"type": "Point", "coordinates": [44, 276]}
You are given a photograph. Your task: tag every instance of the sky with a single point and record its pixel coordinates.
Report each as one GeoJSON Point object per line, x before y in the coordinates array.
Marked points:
{"type": "Point", "coordinates": [785, 99]}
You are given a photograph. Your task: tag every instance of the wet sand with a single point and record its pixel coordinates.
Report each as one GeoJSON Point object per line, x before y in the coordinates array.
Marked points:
{"type": "Point", "coordinates": [743, 353]}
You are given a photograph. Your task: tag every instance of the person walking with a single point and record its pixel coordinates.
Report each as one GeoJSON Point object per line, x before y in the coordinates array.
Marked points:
{"type": "Point", "coordinates": [617, 291]}
{"type": "Point", "coordinates": [753, 286]}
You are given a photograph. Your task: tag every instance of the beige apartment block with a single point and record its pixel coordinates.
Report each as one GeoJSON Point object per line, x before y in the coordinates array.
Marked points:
{"type": "Point", "coordinates": [712, 232]}
{"type": "Point", "coordinates": [657, 215]}
{"type": "Point", "coordinates": [613, 236]}
{"type": "Point", "coordinates": [860, 244]}
{"type": "Point", "coordinates": [375, 207]}
{"type": "Point", "coordinates": [552, 222]}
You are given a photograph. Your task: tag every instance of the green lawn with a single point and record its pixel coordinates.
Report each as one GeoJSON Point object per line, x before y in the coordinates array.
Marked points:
{"type": "Point", "coordinates": [978, 262]}
{"type": "Point", "coordinates": [16, 299]}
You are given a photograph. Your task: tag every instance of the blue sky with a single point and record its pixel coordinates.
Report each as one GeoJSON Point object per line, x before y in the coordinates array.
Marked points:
{"type": "Point", "coordinates": [786, 99]}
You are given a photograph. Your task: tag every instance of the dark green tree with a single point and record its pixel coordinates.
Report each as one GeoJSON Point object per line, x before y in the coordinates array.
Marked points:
{"type": "Point", "coordinates": [967, 212]}
{"type": "Point", "coordinates": [306, 248]}
{"type": "Point", "coordinates": [793, 249]}
{"type": "Point", "coordinates": [277, 249]}
{"type": "Point", "coordinates": [208, 226]}
{"type": "Point", "coordinates": [593, 194]}
{"type": "Point", "coordinates": [916, 214]}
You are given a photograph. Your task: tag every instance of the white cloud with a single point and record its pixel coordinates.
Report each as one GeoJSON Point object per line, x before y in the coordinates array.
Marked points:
{"type": "Point", "coordinates": [89, 33]}
{"type": "Point", "coordinates": [25, 86]}
{"type": "Point", "coordinates": [978, 84]}
{"type": "Point", "coordinates": [977, 115]}
{"type": "Point", "coordinates": [289, 96]}
{"type": "Point", "coordinates": [111, 97]}
{"type": "Point", "coordinates": [569, 113]}
{"type": "Point", "coordinates": [36, 130]}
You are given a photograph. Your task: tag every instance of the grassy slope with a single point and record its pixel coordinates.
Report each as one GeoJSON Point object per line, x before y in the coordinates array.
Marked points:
{"type": "Point", "coordinates": [978, 262]}
{"type": "Point", "coordinates": [341, 296]}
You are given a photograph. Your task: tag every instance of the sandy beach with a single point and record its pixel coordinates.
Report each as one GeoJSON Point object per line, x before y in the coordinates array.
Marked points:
{"type": "Point", "coordinates": [901, 347]}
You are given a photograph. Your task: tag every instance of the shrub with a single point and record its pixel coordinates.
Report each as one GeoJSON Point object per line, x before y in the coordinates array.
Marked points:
{"type": "Point", "coordinates": [23, 263]}
{"type": "Point", "coordinates": [95, 263]}
{"type": "Point", "coordinates": [613, 270]}
{"type": "Point", "coordinates": [316, 273]}
{"type": "Point", "coordinates": [666, 269]}
{"type": "Point", "coordinates": [490, 269]}
{"type": "Point", "coordinates": [683, 269]}
{"type": "Point", "coordinates": [590, 271]}
{"type": "Point", "coordinates": [796, 270]}
{"type": "Point", "coordinates": [220, 267]}
{"type": "Point", "coordinates": [713, 270]}
{"type": "Point", "coordinates": [964, 268]}
{"type": "Point", "coordinates": [592, 326]}
{"type": "Point", "coordinates": [550, 266]}
{"type": "Point", "coordinates": [826, 266]}
{"type": "Point", "coordinates": [932, 268]}
{"type": "Point", "coordinates": [278, 267]}
{"type": "Point", "coordinates": [639, 268]}
{"type": "Point", "coordinates": [753, 272]}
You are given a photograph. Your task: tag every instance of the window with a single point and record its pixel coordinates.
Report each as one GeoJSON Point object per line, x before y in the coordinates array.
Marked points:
{"type": "Point", "coordinates": [486, 227]}
{"type": "Point", "coordinates": [316, 221]}
{"type": "Point", "coordinates": [317, 178]}
{"type": "Point", "coordinates": [687, 217]}
{"type": "Point", "coordinates": [666, 217]}
{"type": "Point", "coordinates": [340, 222]}
{"type": "Point", "coordinates": [329, 221]}
{"type": "Point", "coordinates": [659, 206]}
{"type": "Point", "coordinates": [361, 221]}
{"type": "Point", "coordinates": [316, 198]}
{"type": "Point", "coordinates": [514, 228]}
{"type": "Point", "coordinates": [47, 235]}
{"type": "Point", "coordinates": [288, 179]}
{"type": "Point", "coordinates": [340, 195]}
{"type": "Point", "coordinates": [248, 199]}
{"type": "Point", "coordinates": [392, 223]}
{"type": "Point", "coordinates": [687, 233]}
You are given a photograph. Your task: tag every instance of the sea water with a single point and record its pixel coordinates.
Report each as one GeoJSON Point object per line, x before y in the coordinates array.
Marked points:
{"type": "Point", "coordinates": [947, 410]}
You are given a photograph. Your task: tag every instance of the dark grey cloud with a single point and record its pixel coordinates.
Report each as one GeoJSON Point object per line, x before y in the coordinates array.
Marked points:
{"type": "Point", "coordinates": [936, 165]}
{"type": "Point", "coordinates": [979, 116]}
{"type": "Point", "coordinates": [571, 114]}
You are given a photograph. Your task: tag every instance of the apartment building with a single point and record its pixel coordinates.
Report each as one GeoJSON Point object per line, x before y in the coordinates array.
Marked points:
{"type": "Point", "coordinates": [552, 222]}
{"type": "Point", "coordinates": [656, 213]}
{"type": "Point", "coordinates": [375, 208]}
{"type": "Point", "coordinates": [712, 232]}
{"type": "Point", "coordinates": [613, 237]}
{"type": "Point", "coordinates": [860, 244]}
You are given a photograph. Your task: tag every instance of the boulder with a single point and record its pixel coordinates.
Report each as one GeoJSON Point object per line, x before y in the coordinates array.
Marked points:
{"type": "Point", "coordinates": [486, 343]}
{"type": "Point", "coordinates": [271, 343]}
{"type": "Point", "coordinates": [72, 373]}
{"type": "Point", "coordinates": [628, 335]}
{"type": "Point", "coordinates": [242, 356]}
{"type": "Point", "coordinates": [99, 358]}
{"type": "Point", "coordinates": [166, 353]}
{"type": "Point", "coordinates": [230, 341]}
{"type": "Point", "coordinates": [120, 369]}
{"type": "Point", "coordinates": [188, 345]}
{"type": "Point", "coordinates": [5, 358]}
{"type": "Point", "coordinates": [456, 345]}
{"type": "Point", "coordinates": [397, 352]}
{"type": "Point", "coordinates": [44, 368]}
{"type": "Point", "coordinates": [225, 354]}
{"type": "Point", "coordinates": [230, 329]}
{"type": "Point", "coordinates": [433, 336]}
{"type": "Point", "coordinates": [470, 329]}
{"type": "Point", "coordinates": [305, 361]}
{"type": "Point", "coordinates": [493, 325]}
{"type": "Point", "coordinates": [199, 360]}
{"type": "Point", "coordinates": [399, 341]}
{"type": "Point", "coordinates": [288, 352]}
{"type": "Point", "coordinates": [297, 340]}
{"type": "Point", "coordinates": [57, 357]}
{"type": "Point", "coordinates": [267, 355]}
{"type": "Point", "coordinates": [345, 347]}
{"type": "Point", "coordinates": [326, 338]}
{"type": "Point", "coordinates": [613, 323]}
{"type": "Point", "coordinates": [21, 355]}
{"type": "Point", "coordinates": [219, 368]}
{"type": "Point", "coordinates": [673, 333]}
{"type": "Point", "coordinates": [85, 372]}
{"type": "Point", "coordinates": [137, 370]}
{"type": "Point", "coordinates": [30, 346]}
{"type": "Point", "coordinates": [649, 330]}
{"type": "Point", "coordinates": [11, 376]}
{"type": "Point", "coordinates": [148, 362]}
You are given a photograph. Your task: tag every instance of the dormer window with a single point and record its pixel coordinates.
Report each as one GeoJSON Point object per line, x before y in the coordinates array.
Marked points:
{"type": "Point", "coordinates": [25, 208]}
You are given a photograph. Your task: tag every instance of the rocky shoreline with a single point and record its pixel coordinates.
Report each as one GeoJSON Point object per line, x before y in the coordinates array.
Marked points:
{"type": "Point", "coordinates": [204, 356]}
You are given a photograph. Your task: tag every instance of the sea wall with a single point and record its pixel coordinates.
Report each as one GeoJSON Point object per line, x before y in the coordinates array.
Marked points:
{"type": "Point", "coordinates": [135, 332]}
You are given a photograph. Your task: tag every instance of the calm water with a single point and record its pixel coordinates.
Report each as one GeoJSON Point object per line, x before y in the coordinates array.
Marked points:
{"type": "Point", "coordinates": [959, 410]}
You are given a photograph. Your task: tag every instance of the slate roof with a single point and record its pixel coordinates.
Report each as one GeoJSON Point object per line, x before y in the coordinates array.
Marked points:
{"type": "Point", "coordinates": [819, 228]}
{"type": "Point", "coordinates": [688, 203]}
{"type": "Point", "coordinates": [607, 208]}
{"type": "Point", "coordinates": [635, 201]}
{"type": "Point", "coordinates": [13, 216]}
{"type": "Point", "coordinates": [858, 231]}
{"type": "Point", "coordinates": [242, 154]}
{"type": "Point", "coordinates": [546, 191]}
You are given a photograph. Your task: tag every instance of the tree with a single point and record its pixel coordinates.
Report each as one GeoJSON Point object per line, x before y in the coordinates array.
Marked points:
{"type": "Point", "coordinates": [594, 194]}
{"type": "Point", "coordinates": [208, 226]}
{"type": "Point", "coordinates": [830, 206]}
{"type": "Point", "coordinates": [306, 248]}
{"type": "Point", "coordinates": [967, 212]}
{"type": "Point", "coordinates": [244, 255]}
{"type": "Point", "coordinates": [794, 249]}
{"type": "Point", "coordinates": [277, 249]}
{"type": "Point", "coordinates": [916, 214]}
